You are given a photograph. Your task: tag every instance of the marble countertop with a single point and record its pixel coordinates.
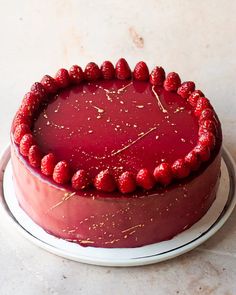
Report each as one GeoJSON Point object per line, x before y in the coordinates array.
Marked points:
{"type": "Point", "coordinates": [194, 38]}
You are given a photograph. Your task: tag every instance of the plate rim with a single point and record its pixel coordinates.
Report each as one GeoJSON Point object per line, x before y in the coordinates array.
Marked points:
{"type": "Point", "coordinates": [136, 261]}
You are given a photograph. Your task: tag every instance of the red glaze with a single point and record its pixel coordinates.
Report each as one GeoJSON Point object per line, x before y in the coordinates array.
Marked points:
{"type": "Point", "coordinates": [124, 131]}
{"type": "Point", "coordinates": [115, 126]}
{"type": "Point", "coordinates": [110, 220]}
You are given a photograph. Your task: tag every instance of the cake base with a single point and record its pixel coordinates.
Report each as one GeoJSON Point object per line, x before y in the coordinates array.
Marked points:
{"type": "Point", "coordinates": [185, 241]}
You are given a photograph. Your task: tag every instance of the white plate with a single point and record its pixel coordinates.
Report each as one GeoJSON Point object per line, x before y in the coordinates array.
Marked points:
{"type": "Point", "coordinates": [185, 241]}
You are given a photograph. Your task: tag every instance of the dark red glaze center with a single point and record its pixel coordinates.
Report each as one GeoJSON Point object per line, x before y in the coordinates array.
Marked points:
{"type": "Point", "coordinates": [117, 124]}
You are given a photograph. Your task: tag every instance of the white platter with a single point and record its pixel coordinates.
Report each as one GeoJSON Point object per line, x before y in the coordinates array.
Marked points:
{"type": "Point", "coordinates": [186, 241]}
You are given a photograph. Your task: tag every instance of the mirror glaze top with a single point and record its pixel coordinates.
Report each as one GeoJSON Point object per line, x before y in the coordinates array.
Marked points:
{"type": "Point", "coordinates": [121, 125]}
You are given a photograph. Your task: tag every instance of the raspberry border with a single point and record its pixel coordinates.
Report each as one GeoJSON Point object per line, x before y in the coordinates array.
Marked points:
{"type": "Point", "coordinates": [163, 175]}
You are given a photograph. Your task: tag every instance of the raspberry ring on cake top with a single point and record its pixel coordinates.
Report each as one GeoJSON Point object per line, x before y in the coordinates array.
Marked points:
{"type": "Point", "coordinates": [133, 149]}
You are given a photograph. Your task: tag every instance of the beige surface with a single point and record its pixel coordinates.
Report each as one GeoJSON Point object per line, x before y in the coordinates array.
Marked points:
{"type": "Point", "coordinates": [194, 38]}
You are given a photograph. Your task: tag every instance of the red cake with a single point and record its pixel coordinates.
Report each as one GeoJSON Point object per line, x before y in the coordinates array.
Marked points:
{"type": "Point", "coordinates": [114, 158]}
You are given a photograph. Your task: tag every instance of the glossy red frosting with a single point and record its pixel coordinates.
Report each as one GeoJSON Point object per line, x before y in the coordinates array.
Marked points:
{"type": "Point", "coordinates": [97, 219]}
{"type": "Point", "coordinates": [117, 124]}
{"type": "Point", "coordinates": [120, 125]}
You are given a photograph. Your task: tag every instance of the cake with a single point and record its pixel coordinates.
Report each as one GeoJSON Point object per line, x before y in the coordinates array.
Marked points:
{"type": "Point", "coordinates": [113, 158]}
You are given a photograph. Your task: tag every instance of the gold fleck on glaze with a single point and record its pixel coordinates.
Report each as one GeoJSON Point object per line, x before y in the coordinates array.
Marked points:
{"type": "Point", "coordinates": [100, 111]}
{"type": "Point", "coordinates": [112, 242]}
{"type": "Point", "coordinates": [131, 228]}
{"type": "Point", "coordinates": [133, 142]}
{"type": "Point", "coordinates": [122, 89]}
{"type": "Point", "coordinates": [163, 110]}
{"type": "Point", "coordinates": [86, 242]}
{"type": "Point", "coordinates": [132, 232]}
{"type": "Point", "coordinates": [66, 197]}
{"type": "Point", "coordinates": [140, 106]}
{"type": "Point", "coordinates": [179, 110]}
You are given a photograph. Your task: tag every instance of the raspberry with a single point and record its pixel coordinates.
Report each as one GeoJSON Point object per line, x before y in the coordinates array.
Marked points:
{"type": "Point", "coordinates": [104, 181]}
{"type": "Point", "coordinates": [172, 82]}
{"type": "Point", "coordinates": [31, 99]}
{"type": "Point", "coordinates": [38, 89]}
{"type": "Point", "coordinates": [145, 179]}
{"type": "Point", "coordinates": [202, 104]}
{"type": "Point", "coordinates": [180, 169]}
{"type": "Point", "coordinates": [123, 71]}
{"type": "Point", "coordinates": [157, 76]}
{"type": "Point", "coordinates": [108, 70]}
{"type": "Point", "coordinates": [203, 152]}
{"type": "Point", "coordinates": [207, 139]}
{"type": "Point", "coordinates": [127, 182]}
{"type": "Point", "coordinates": [61, 172]}
{"type": "Point", "coordinates": [207, 125]}
{"type": "Point", "coordinates": [80, 180]}
{"type": "Point", "coordinates": [92, 72]}
{"type": "Point", "coordinates": [186, 88]}
{"type": "Point", "coordinates": [163, 174]}
{"type": "Point", "coordinates": [193, 160]}
{"type": "Point", "coordinates": [48, 163]}
{"type": "Point", "coordinates": [34, 156]}
{"type": "Point", "coordinates": [193, 98]}
{"type": "Point", "coordinates": [29, 104]}
{"type": "Point", "coordinates": [62, 78]}
{"type": "Point", "coordinates": [20, 119]}
{"type": "Point", "coordinates": [49, 84]}
{"type": "Point", "coordinates": [141, 71]}
{"type": "Point", "coordinates": [20, 131]}
{"type": "Point", "coordinates": [206, 114]}
{"type": "Point", "coordinates": [26, 142]}
{"type": "Point", "coordinates": [76, 74]}
{"type": "Point", "coordinates": [201, 130]}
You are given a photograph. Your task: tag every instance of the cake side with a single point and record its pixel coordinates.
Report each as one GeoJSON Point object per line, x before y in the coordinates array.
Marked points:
{"type": "Point", "coordinates": [103, 220]}
{"type": "Point", "coordinates": [113, 158]}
